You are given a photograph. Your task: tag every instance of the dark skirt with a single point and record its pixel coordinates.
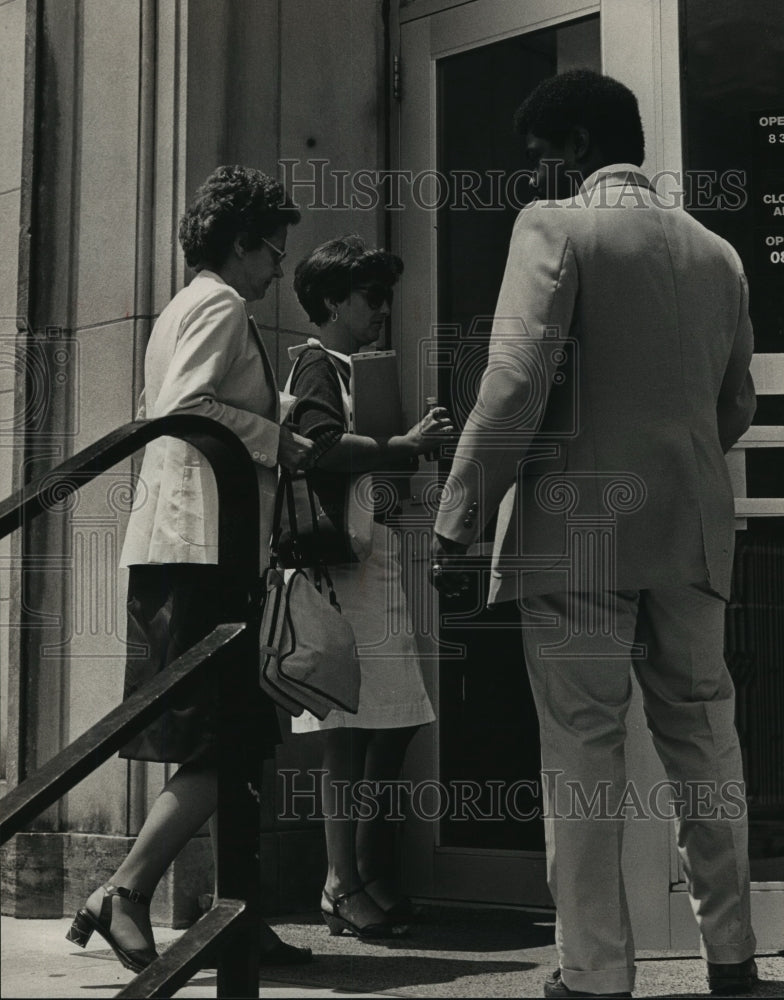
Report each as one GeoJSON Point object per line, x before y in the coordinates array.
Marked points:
{"type": "Point", "coordinates": [170, 608]}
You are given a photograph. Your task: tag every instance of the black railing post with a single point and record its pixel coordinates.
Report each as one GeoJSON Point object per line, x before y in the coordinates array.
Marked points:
{"type": "Point", "coordinates": [239, 815]}
{"type": "Point", "coordinates": [239, 746]}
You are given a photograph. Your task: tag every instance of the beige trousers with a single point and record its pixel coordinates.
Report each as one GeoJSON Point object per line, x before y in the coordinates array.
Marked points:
{"type": "Point", "coordinates": [579, 648]}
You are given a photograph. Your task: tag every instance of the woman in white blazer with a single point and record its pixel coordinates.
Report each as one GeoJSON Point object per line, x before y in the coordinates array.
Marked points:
{"type": "Point", "coordinates": [205, 356]}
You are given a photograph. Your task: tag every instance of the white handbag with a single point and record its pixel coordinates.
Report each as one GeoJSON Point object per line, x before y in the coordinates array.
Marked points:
{"type": "Point", "coordinates": [308, 658]}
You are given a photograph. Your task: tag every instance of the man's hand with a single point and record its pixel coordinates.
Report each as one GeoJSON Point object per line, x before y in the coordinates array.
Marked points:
{"type": "Point", "coordinates": [295, 452]}
{"type": "Point", "coordinates": [449, 582]}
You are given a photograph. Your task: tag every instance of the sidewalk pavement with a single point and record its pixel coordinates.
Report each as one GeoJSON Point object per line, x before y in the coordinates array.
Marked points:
{"type": "Point", "coordinates": [457, 953]}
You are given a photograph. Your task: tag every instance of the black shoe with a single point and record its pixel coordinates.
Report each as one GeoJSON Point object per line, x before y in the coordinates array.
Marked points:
{"type": "Point", "coordinates": [85, 923]}
{"type": "Point", "coordinates": [728, 980]}
{"type": "Point", "coordinates": [285, 954]}
{"type": "Point", "coordinates": [335, 913]}
{"type": "Point", "coordinates": [272, 951]}
{"type": "Point", "coordinates": [556, 987]}
{"type": "Point", "coordinates": [404, 911]}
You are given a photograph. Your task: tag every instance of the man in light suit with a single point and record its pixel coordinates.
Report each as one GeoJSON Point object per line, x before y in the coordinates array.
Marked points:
{"type": "Point", "coordinates": [617, 378]}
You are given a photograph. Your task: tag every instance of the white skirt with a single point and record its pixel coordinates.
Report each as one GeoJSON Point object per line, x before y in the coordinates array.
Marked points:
{"type": "Point", "coordinates": [392, 694]}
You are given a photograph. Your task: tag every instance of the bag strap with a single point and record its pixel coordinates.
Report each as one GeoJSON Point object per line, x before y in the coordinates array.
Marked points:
{"type": "Point", "coordinates": [296, 352]}
{"type": "Point", "coordinates": [348, 413]}
{"type": "Point", "coordinates": [285, 494]}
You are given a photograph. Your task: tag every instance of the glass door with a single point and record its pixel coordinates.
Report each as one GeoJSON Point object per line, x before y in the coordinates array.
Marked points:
{"type": "Point", "coordinates": [461, 68]}
{"type": "Point", "coordinates": [464, 71]}
{"type": "Point", "coordinates": [479, 157]}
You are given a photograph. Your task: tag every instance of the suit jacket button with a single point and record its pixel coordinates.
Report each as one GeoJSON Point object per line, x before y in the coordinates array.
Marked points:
{"type": "Point", "coordinates": [257, 456]}
{"type": "Point", "coordinates": [262, 457]}
{"type": "Point", "coordinates": [468, 522]}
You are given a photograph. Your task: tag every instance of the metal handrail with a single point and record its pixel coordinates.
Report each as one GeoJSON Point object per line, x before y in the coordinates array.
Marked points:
{"type": "Point", "coordinates": [79, 759]}
{"type": "Point", "coordinates": [234, 924]}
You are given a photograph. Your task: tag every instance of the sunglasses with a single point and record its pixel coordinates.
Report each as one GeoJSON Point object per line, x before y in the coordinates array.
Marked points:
{"type": "Point", "coordinates": [280, 255]}
{"type": "Point", "coordinates": [375, 295]}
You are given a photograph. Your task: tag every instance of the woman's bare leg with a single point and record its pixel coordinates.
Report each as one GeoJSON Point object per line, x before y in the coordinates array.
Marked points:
{"type": "Point", "coordinates": [344, 766]}
{"type": "Point", "coordinates": [376, 837]}
{"type": "Point", "coordinates": [188, 799]}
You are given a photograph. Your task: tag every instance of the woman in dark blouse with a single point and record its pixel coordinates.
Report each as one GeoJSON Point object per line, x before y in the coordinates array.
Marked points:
{"type": "Point", "coordinates": [346, 290]}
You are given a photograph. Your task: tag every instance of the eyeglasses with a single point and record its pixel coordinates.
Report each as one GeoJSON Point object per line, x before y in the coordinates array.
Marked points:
{"type": "Point", "coordinates": [375, 295]}
{"type": "Point", "coordinates": [280, 255]}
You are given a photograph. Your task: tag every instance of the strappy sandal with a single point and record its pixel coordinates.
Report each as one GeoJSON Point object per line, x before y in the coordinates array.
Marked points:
{"type": "Point", "coordinates": [85, 923]}
{"type": "Point", "coordinates": [338, 923]}
{"type": "Point", "coordinates": [404, 911]}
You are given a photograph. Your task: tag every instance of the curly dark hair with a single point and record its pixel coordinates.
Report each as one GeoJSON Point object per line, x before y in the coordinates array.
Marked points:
{"type": "Point", "coordinates": [584, 99]}
{"type": "Point", "coordinates": [335, 268]}
{"type": "Point", "coordinates": [233, 200]}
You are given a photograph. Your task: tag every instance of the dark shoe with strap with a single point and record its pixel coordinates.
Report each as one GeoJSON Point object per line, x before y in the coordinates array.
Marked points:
{"type": "Point", "coordinates": [285, 954]}
{"type": "Point", "coordinates": [732, 979]}
{"type": "Point", "coordinates": [85, 923]}
{"type": "Point", "coordinates": [556, 987]}
{"type": "Point", "coordinates": [273, 951]}
{"type": "Point", "coordinates": [338, 921]}
{"type": "Point", "coordinates": [404, 911]}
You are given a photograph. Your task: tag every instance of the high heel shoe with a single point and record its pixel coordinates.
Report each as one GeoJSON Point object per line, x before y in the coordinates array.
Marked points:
{"type": "Point", "coordinates": [338, 922]}
{"type": "Point", "coordinates": [272, 951]}
{"type": "Point", "coordinates": [285, 954]}
{"type": "Point", "coordinates": [404, 911]}
{"type": "Point", "coordinates": [85, 923]}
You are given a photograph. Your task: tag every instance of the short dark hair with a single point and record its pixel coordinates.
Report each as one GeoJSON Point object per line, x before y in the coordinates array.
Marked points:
{"type": "Point", "coordinates": [335, 268]}
{"type": "Point", "coordinates": [233, 200]}
{"type": "Point", "coordinates": [584, 99]}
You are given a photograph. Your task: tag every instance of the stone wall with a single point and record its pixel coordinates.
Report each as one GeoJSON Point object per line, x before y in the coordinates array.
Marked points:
{"type": "Point", "coordinates": [136, 102]}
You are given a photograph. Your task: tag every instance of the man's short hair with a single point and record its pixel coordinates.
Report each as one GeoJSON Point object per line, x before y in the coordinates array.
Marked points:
{"type": "Point", "coordinates": [584, 99]}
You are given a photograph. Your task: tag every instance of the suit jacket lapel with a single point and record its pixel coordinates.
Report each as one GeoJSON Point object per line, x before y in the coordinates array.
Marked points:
{"type": "Point", "coordinates": [266, 362]}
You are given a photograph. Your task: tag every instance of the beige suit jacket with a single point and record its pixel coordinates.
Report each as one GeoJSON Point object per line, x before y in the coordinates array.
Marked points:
{"type": "Point", "coordinates": [205, 357]}
{"type": "Point", "coordinates": [618, 375]}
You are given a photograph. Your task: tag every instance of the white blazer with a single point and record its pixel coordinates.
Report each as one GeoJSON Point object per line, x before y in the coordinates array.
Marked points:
{"type": "Point", "coordinates": [205, 356]}
{"type": "Point", "coordinates": [639, 316]}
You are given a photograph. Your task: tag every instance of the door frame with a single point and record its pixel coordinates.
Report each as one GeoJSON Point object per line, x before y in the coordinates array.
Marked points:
{"type": "Point", "coordinates": [640, 46]}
